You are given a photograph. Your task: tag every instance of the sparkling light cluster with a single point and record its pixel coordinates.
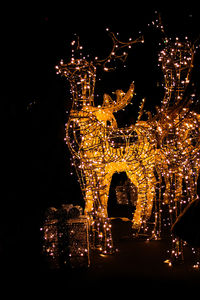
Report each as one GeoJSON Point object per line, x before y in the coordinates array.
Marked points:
{"type": "Point", "coordinates": [66, 237]}
{"type": "Point", "coordinates": [99, 148]}
{"type": "Point", "coordinates": [160, 156]}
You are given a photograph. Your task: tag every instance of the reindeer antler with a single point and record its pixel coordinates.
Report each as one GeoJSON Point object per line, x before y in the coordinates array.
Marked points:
{"type": "Point", "coordinates": [123, 99]}
{"type": "Point", "coordinates": [117, 51]}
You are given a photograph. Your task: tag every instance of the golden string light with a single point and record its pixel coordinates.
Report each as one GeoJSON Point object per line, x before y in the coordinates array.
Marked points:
{"type": "Point", "coordinates": [160, 156]}
{"type": "Point", "coordinates": [118, 51]}
{"type": "Point", "coordinates": [94, 140]}
{"type": "Point", "coordinates": [177, 135]}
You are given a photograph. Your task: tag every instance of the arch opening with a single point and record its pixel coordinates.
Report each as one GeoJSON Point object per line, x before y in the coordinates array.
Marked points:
{"type": "Point", "coordinates": [122, 197]}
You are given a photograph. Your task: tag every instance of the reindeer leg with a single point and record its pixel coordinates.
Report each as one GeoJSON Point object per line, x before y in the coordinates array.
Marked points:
{"type": "Point", "coordinates": [151, 193]}
{"type": "Point", "coordinates": [137, 217]}
{"type": "Point", "coordinates": [104, 191]}
{"type": "Point", "coordinates": [146, 192]}
{"type": "Point", "coordinates": [90, 191]}
{"type": "Point", "coordinates": [97, 191]}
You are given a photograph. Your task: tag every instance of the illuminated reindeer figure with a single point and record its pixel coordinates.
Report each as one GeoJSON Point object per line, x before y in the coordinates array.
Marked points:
{"type": "Point", "coordinates": [99, 148]}
{"type": "Point", "coordinates": [176, 131]}
{"type": "Point", "coordinates": [162, 151]}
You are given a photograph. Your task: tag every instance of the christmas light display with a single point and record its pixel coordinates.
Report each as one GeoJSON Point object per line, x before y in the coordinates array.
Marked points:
{"type": "Point", "coordinates": [100, 149]}
{"type": "Point", "coordinates": [177, 136]}
{"type": "Point", "coordinates": [160, 155]}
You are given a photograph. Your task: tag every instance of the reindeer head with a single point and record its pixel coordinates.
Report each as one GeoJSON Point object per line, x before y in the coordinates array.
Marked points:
{"type": "Point", "coordinates": [81, 75]}
{"type": "Point", "coordinates": [177, 63]}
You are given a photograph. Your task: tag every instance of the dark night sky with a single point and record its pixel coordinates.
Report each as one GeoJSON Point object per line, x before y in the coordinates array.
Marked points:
{"type": "Point", "coordinates": [34, 99]}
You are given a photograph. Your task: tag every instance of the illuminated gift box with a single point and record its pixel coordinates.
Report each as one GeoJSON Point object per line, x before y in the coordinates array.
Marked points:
{"type": "Point", "coordinates": [51, 243]}
{"type": "Point", "coordinates": [126, 194]}
{"type": "Point", "coordinates": [121, 195]}
{"type": "Point", "coordinates": [50, 235]}
{"type": "Point", "coordinates": [65, 240]}
{"type": "Point", "coordinates": [74, 240]}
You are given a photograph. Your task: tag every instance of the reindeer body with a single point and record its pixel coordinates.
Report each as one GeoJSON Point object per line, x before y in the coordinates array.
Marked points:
{"type": "Point", "coordinates": [105, 149]}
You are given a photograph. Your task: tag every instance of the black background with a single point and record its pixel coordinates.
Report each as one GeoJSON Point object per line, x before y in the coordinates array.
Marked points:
{"type": "Point", "coordinates": [36, 165]}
